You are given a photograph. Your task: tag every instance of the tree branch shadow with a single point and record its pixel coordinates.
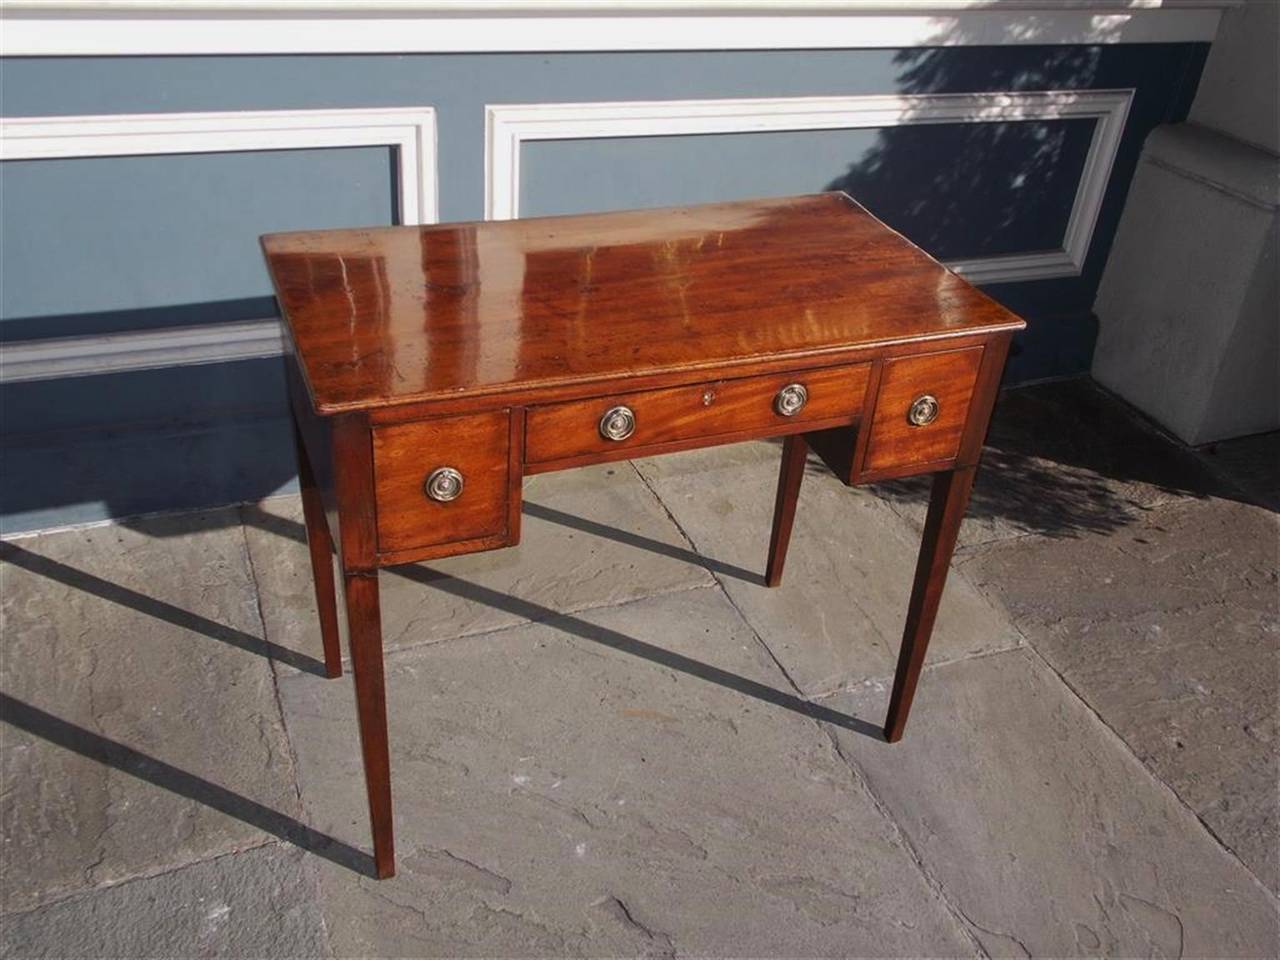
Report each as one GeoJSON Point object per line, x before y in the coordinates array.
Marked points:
{"type": "Point", "coordinates": [1069, 459]}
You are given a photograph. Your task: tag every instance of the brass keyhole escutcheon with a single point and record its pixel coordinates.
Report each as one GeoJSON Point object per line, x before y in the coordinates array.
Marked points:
{"type": "Point", "coordinates": [618, 423]}
{"type": "Point", "coordinates": [790, 399]}
{"type": "Point", "coordinates": [444, 484]}
{"type": "Point", "coordinates": [923, 410]}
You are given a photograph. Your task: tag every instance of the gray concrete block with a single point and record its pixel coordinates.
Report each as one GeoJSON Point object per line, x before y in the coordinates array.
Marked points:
{"type": "Point", "coordinates": [1045, 832]}
{"type": "Point", "coordinates": [609, 783]}
{"type": "Point", "coordinates": [590, 537]}
{"type": "Point", "coordinates": [1188, 303]}
{"type": "Point", "coordinates": [1239, 91]}
{"type": "Point", "coordinates": [1170, 629]}
{"type": "Point", "coordinates": [259, 903]}
{"type": "Point", "coordinates": [136, 683]}
{"type": "Point", "coordinates": [838, 616]}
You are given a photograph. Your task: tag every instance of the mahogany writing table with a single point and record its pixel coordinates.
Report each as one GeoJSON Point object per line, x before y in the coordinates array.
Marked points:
{"type": "Point", "coordinates": [431, 368]}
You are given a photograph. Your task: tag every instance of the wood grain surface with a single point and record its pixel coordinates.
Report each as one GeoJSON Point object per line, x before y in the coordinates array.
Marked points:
{"type": "Point", "coordinates": [391, 315]}
{"type": "Point", "coordinates": [710, 409]}
{"type": "Point", "coordinates": [948, 377]}
{"type": "Point", "coordinates": [404, 455]}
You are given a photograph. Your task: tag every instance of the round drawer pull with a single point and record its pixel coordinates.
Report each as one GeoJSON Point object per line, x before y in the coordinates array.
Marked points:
{"type": "Point", "coordinates": [791, 399]}
{"type": "Point", "coordinates": [444, 484]}
{"type": "Point", "coordinates": [923, 410]}
{"type": "Point", "coordinates": [618, 423]}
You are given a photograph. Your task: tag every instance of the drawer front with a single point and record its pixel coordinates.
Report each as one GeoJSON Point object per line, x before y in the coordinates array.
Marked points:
{"type": "Point", "coordinates": [405, 456]}
{"type": "Point", "coordinates": [946, 379]}
{"type": "Point", "coordinates": [562, 431]}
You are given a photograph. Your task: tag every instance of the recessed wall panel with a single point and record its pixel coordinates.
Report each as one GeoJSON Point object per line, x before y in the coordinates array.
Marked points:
{"type": "Point", "coordinates": [101, 244]}
{"type": "Point", "coordinates": [960, 190]}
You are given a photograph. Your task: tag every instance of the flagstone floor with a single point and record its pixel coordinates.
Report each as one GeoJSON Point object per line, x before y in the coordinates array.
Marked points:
{"type": "Point", "coordinates": [612, 740]}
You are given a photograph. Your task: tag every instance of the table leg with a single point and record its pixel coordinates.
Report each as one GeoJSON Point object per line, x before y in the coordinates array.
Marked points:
{"type": "Point", "coordinates": [946, 509]}
{"type": "Point", "coordinates": [784, 511]}
{"type": "Point", "coordinates": [321, 546]}
{"type": "Point", "coordinates": [364, 628]}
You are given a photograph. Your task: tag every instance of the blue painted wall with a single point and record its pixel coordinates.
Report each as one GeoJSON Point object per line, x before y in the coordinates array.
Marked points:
{"type": "Point", "coordinates": [93, 245]}
{"type": "Point", "coordinates": [117, 243]}
{"type": "Point", "coordinates": [959, 190]}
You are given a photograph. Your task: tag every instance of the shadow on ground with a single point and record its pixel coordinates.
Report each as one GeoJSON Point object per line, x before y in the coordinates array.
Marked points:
{"type": "Point", "coordinates": [135, 763]}
{"type": "Point", "coordinates": [1062, 460]}
{"type": "Point", "coordinates": [103, 750]}
{"type": "Point", "coordinates": [1068, 458]}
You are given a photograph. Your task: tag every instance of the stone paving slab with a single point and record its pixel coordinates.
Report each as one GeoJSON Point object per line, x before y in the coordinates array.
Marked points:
{"type": "Point", "coordinates": [837, 618]}
{"type": "Point", "coordinates": [636, 778]}
{"type": "Point", "coordinates": [1045, 831]}
{"type": "Point", "coordinates": [609, 784]}
{"type": "Point", "coordinates": [590, 537]}
{"type": "Point", "coordinates": [136, 684]}
{"type": "Point", "coordinates": [1170, 630]}
{"type": "Point", "coordinates": [1064, 460]}
{"type": "Point", "coordinates": [260, 903]}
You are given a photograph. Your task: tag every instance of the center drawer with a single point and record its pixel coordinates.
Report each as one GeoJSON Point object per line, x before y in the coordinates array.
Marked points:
{"type": "Point", "coordinates": [762, 406]}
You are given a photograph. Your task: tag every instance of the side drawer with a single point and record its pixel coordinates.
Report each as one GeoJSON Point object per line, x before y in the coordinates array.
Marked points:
{"type": "Point", "coordinates": [406, 455]}
{"type": "Point", "coordinates": [564, 431]}
{"type": "Point", "coordinates": [938, 386]}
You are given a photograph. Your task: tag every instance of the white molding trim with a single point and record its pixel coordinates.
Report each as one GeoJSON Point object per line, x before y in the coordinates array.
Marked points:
{"type": "Point", "coordinates": [509, 126]}
{"type": "Point", "coordinates": [141, 350]}
{"type": "Point", "coordinates": [165, 27]}
{"type": "Point", "coordinates": [411, 131]}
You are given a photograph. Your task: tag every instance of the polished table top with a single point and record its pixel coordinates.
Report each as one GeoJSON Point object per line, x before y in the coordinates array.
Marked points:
{"type": "Point", "coordinates": [391, 315]}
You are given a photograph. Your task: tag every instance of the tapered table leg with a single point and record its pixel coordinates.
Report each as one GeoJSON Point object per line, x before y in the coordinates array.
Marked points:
{"type": "Point", "coordinates": [321, 546]}
{"type": "Point", "coordinates": [946, 509]}
{"type": "Point", "coordinates": [364, 628]}
{"type": "Point", "coordinates": [784, 510]}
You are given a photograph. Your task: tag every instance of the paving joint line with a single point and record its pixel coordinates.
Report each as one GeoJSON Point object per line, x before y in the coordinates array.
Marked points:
{"type": "Point", "coordinates": [719, 583]}
{"type": "Point", "coordinates": [271, 663]}
{"type": "Point", "coordinates": [853, 686]}
{"type": "Point", "coordinates": [291, 750]}
{"type": "Point", "coordinates": [823, 732]}
{"type": "Point", "coordinates": [935, 886]}
{"type": "Point", "coordinates": [67, 896]}
{"type": "Point", "coordinates": [1128, 750]}
{"type": "Point", "coordinates": [1025, 643]}
{"type": "Point", "coordinates": [1030, 645]}
{"type": "Point", "coordinates": [556, 615]}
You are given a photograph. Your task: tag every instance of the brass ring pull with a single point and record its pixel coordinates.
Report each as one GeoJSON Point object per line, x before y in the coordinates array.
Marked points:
{"type": "Point", "coordinates": [923, 410]}
{"type": "Point", "coordinates": [444, 484]}
{"type": "Point", "coordinates": [618, 423]}
{"type": "Point", "coordinates": [790, 400]}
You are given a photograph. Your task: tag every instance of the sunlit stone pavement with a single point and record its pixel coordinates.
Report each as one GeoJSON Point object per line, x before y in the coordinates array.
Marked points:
{"type": "Point", "coordinates": [613, 740]}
